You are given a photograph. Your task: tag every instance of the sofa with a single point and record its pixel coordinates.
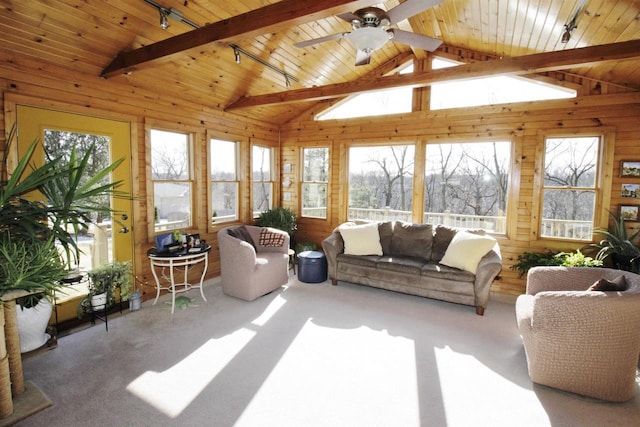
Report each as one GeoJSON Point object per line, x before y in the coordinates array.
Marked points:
{"type": "Point", "coordinates": [253, 260]}
{"type": "Point", "coordinates": [580, 328]}
{"type": "Point", "coordinates": [439, 262]}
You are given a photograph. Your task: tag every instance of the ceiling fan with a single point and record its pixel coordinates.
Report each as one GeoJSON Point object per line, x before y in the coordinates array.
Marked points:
{"type": "Point", "coordinates": [371, 29]}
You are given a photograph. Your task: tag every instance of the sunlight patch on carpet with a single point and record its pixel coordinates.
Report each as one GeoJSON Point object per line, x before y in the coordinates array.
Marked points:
{"type": "Point", "coordinates": [268, 313]}
{"type": "Point", "coordinates": [379, 373]}
{"type": "Point", "coordinates": [171, 391]}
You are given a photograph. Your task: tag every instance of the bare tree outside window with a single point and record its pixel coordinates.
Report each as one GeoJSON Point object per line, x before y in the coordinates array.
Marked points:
{"type": "Point", "coordinates": [262, 164]}
{"type": "Point", "coordinates": [381, 182]}
{"type": "Point", "coordinates": [466, 184]}
{"type": "Point", "coordinates": [569, 190]}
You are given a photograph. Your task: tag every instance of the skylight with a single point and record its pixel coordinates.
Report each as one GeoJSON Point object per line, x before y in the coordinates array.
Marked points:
{"type": "Point", "coordinates": [458, 94]}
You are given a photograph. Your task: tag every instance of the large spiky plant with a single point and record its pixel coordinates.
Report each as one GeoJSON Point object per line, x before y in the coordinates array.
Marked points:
{"type": "Point", "coordinates": [616, 242]}
{"type": "Point", "coordinates": [40, 207]}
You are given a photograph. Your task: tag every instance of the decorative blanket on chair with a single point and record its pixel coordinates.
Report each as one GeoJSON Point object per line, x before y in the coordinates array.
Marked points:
{"type": "Point", "coordinates": [271, 237]}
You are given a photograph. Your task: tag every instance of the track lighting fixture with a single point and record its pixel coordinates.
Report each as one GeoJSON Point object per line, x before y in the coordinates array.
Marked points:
{"type": "Point", "coordinates": [570, 26]}
{"type": "Point", "coordinates": [176, 15]}
{"type": "Point", "coordinates": [237, 50]}
{"type": "Point", "coordinates": [164, 21]}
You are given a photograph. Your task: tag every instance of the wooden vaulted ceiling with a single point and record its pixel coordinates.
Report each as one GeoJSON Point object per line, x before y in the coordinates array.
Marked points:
{"type": "Point", "coordinates": [123, 40]}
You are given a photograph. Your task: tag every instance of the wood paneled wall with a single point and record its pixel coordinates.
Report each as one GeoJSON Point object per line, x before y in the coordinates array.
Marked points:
{"type": "Point", "coordinates": [524, 123]}
{"type": "Point", "coordinates": [50, 86]}
{"type": "Point", "coordinates": [25, 81]}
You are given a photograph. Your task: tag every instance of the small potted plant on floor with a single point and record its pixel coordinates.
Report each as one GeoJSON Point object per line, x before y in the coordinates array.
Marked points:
{"type": "Point", "coordinates": [108, 283]}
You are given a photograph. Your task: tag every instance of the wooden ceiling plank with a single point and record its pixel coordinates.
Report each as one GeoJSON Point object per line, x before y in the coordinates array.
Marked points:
{"type": "Point", "coordinates": [274, 17]}
{"type": "Point", "coordinates": [508, 66]}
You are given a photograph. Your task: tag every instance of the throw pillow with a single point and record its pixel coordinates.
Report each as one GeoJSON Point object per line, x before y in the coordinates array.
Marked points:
{"type": "Point", "coordinates": [385, 229]}
{"type": "Point", "coordinates": [242, 233]}
{"type": "Point", "coordinates": [466, 250]}
{"type": "Point", "coordinates": [441, 239]}
{"type": "Point", "coordinates": [618, 284]}
{"type": "Point", "coordinates": [271, 237]}
{"type": "Point", "coordinates": [413, 240]}
{"type": "Point", "coordinates": [361, 239]}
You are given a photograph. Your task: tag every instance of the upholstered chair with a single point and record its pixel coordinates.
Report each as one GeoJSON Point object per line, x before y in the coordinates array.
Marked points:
{"type": "Point", "coordinates": [253, 260]}
{"type": "Point", "coordinates": [579, 340]}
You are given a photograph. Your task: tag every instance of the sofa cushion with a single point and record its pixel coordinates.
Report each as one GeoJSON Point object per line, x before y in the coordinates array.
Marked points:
{"type": "Point", "coordinates": [412, 240]}
{"type": "Point", "coordinates": [401, 265]}
{"type": "Point", "coordinates": [385, 229]}
{"type": "Point", "coordinates": [362, 260]}
{"type": "Point", "coordinates": [242, 233]}
{"type": "Point", "coordinates": [363, 239]}
{"type": "Point", "coordinates": [466, 250]}
{"type": "Point", "coordinates": [441, 239]}
{"type": "Point", "coordinates": [440, 271]}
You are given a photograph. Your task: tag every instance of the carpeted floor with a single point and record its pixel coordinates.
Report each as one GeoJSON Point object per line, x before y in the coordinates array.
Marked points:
{"type": "Point", "coordinates": [306, 355]}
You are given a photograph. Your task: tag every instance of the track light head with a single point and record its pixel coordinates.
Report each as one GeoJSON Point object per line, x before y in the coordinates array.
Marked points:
{"type": "Point", "coordinates": [164, 21]}
{"type": "Point", "coordinates": [237, 55]}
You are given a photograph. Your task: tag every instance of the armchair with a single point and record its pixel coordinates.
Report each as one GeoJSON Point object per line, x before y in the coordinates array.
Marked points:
{"type": "Point", "coordinates": [253, 266]}
{"type": "Point", "coordinates": [581, 341]}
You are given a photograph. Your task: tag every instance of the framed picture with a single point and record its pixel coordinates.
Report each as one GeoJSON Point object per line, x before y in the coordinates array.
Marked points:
{"type": "Point", "coordinates": [630, 168]}
{"type": "Point", "coordinates": [164, 241]}
{"type": "Point", "coordinates": [631, 190]}
{"type": "Point", "coordinates": [629, 213]}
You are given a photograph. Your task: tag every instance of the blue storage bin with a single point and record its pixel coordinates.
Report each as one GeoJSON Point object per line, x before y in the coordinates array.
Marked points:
{"type": "Point", "coordinates": [312, 267]}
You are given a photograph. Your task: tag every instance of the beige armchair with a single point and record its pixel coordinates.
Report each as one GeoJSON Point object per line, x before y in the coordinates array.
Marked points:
{"type": "Point", "coordinates": [585, 342]}
{"type": "Point", "coordinates": [251, 266]}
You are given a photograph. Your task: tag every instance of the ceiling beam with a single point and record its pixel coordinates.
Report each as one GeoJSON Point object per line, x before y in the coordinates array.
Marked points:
{"type": "Point", "coordinates": [521, 65]}
{"type": "Point", "coordinates": [272, 18]}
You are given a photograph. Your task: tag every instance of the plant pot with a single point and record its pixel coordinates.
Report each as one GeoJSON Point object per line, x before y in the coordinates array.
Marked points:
{"type": "Point", "coordinates": [99, 301]}
{"type": "Point", "coordinates": [32, 324]}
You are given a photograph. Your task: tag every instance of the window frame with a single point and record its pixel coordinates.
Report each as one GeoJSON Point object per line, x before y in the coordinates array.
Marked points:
{"type": "Point", "coordinates": [212, 136]}
{"type": "Point", "coordinates": [513, 175]}
{"type": "Point", "coordinates": [304, 182]}
{"type": "Point", "coordinates": [273, 167]}
{"type": "Point", "coordinates": [193, 135]}
{"type": "Point", "coordinates": [603, 179]}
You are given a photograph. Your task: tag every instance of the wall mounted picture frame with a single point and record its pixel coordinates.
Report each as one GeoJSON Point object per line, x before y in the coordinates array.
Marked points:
{"type": "Point", "coordinates": [630, 212]}
{"type": "Point", "coordinates": [631, 190]}
{"type": "Point", "coordinates": [630, 168]}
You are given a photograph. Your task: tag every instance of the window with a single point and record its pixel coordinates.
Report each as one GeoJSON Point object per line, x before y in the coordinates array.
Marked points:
{"type": "Point", "coordinates": [490, 90]}
{"type": "Point", "coordinates": [379, 103]}
{"type": "Point", "coordinates": [262, 176]}
{"type": "Point", "coordinates": [569, 188]}
{"type": "Point", "coordinates": [381, 182]}
{"type": "Point", "coordinates": [172, 179]}
{"type": "Point", "coordinates": [466, 184]}
{"type": "Point", "coordinates": [315, 182]}
{"type": "Point", "coordinates": [224, 180]}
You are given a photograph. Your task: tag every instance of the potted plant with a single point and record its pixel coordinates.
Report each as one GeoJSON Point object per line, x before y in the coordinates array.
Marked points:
{"type": "Point", "coordinates": [617, 247]}
{"type": "Point", "coordinates": [527, 260]}
{"type": "Point", "coordinates": [281, 218]}
{"type": "Point", "coordinates": [40, 210]}
{"type": "Point", "coordinates": [107, 283]}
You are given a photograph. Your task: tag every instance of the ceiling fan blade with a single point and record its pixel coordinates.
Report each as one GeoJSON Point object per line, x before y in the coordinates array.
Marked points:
{"type": "Point", "coordinates": [320, 40]}
{"type": "Point", "coordinates": [416, 40]}
{"type": "Point", "coordinates": [410, 8]}
{"type": "Point", "coordinates": [347, 16]}
{"type": "Point", "coordinates": [362, 57]}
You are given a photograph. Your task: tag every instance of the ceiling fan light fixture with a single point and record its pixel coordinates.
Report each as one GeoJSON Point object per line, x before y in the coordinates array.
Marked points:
{"type": "Point", "coordinates": [369, 39]}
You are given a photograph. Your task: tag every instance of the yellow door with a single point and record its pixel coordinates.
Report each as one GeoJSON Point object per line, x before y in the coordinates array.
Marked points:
{"type": "Point", "coordinates": [113, 239]}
